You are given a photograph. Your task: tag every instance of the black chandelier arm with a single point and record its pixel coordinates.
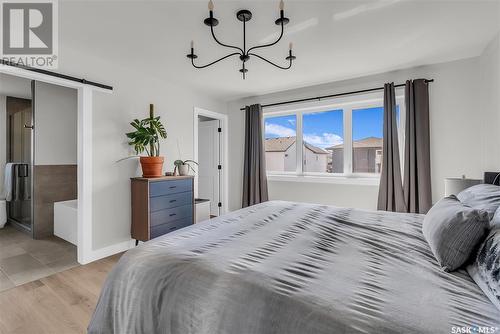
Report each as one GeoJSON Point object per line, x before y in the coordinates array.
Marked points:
{"type": "Point", "coordinates": [215, 61]}
{"type": "Point", "coordinates": [270, 62]}
{"type": "Point", "coordinates": [270, 44]}
{"type": "Point", "coordinates": [226, 45]}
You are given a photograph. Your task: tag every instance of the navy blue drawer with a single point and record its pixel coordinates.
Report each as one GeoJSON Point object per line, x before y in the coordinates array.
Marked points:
{"type": "Point", "coordinates": [161, 188]}
{"type": "Point", "coordinates": [168, 215]}
{"type": "Point", "coordinates": [169, 227]}
{"type": "Point", "coordinates": [170, 201]}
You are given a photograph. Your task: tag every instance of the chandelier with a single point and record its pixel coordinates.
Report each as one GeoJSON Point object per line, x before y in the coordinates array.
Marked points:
{"type": "Point", "coordinates": [244, 53]}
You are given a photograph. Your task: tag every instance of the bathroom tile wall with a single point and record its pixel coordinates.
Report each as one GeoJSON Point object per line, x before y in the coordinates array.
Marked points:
{"type": "Point", "coordinates": [52, 183]}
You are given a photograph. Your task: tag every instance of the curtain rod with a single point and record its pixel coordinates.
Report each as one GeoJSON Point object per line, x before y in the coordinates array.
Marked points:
{"type": "Point", "coordinates": [333, 95]}
{"type": "Point", "coordinates": [55, 74]}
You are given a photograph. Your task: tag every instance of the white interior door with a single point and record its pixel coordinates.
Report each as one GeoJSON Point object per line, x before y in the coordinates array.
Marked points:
{"type": "Point", "coordinates": [208, 159]}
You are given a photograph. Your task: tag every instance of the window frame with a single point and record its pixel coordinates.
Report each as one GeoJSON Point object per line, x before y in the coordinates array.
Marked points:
{"type": "Point", "coordinates": [347, 104]}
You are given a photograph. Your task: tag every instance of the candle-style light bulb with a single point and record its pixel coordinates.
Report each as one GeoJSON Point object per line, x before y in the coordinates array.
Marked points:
{"type": "Point", "coordinates": [192, 44]}
{"type": "Point", "coordinates": [282, 5]}
{"type": "Point", "coordinates": [290, 46]}
{"type": "Point", "coordinates": [210, 5]}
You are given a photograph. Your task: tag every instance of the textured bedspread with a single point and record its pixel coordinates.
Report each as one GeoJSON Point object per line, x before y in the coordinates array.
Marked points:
{"type": "Point", "coordinates": [290, 268]}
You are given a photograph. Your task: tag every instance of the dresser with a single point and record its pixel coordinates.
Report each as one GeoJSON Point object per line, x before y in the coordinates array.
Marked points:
{"type": "Point", "coordinates": [161, 205]}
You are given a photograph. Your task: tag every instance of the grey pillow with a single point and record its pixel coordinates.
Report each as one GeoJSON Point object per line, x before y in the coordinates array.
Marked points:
{"type": "Point", "coordinates": [495, 221]}
{"type": "Point", "coordinates": [485, 270]}
{"type": "Point", "coordinates": [482, 196]}
{"type": "Point", "coordinates": [453, 231]}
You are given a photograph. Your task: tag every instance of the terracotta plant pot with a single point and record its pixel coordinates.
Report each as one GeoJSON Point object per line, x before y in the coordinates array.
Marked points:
{"type": "Point", "coordinates": [152, 166]}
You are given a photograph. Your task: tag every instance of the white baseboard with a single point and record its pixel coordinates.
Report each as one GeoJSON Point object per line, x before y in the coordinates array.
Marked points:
{"type": "Point", "coordinates": [108, 251]}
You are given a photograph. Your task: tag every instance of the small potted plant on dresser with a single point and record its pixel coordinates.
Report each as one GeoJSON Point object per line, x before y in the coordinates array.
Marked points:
{"type": "Point", "coordinates": [146, 138]}
{"type": "Point", "coordinates": [183, 167]}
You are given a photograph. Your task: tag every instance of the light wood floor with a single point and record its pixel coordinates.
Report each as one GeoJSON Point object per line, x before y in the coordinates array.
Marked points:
{"type": "Point", "coordinates": [58, 304]}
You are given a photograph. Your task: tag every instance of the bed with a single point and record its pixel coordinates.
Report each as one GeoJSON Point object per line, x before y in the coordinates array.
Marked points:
{"type": "Point", "coordinates": [284, 267]}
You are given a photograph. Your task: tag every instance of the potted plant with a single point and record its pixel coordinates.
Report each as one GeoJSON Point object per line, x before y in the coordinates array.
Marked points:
{"type": "Point", "coordinates": [184, 166]}
{"type": "Point", "coordinates": [146, 138]}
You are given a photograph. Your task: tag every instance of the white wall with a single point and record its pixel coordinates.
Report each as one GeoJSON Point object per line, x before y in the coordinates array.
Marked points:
{"type": "Point", "coordinates": [456, 121]}
{"type": "Point", "coordinates": [490, 104]}
{"type": "Point", "coordinates": [15, 86]}
{"type": "Point", "coordinates": [359, 196]}
{"type": "Point", "coordinates": [55, 125]}
{"type": "Point", "coordinates": [133, 91]}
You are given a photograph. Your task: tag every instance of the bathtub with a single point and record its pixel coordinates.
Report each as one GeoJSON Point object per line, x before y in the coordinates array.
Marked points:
{"type": "Point", "coordinates": [66, 220]}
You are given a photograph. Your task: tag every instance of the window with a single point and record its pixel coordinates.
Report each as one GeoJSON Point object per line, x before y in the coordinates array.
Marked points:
{"type": "Point", "coordinates": [280, 137]}
{"type": "Point", "coordinates": [367, 139]}
{"type": "Point", "coordinates": [342, 137]}
{"type": "Point", "coordinates": [323, 138]}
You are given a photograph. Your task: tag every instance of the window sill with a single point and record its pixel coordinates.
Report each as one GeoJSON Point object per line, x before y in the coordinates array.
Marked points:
{"type": "Point", "coordinates": [353, 180]}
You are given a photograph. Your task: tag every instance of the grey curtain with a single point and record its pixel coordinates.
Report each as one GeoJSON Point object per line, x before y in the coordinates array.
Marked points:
{"type": "Point", "coordinates": [254, 170]}
{"type": "Point", "coordinates": [390, 196]}
{"type": "Point", "coordinates": [417, 168]}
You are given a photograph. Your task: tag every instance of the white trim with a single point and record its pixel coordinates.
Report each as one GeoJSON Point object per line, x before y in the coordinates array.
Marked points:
{"type": "Point", "coordinates": [84, 167]}
{"type": "Point", "coordinates": [367, 181]}
{"type": "Point", "coordinates": [85, 251]}
{"type": "Point", "coordinates": [299, 144]}
{"type": "Point", "coordinates": [225, 154]}
{"type": "Point", "coordinates": [347, 115]}
{"type": "Point", "coordinates": [347, 105]}
{"type": "Point", "coordinates": [110, 250]}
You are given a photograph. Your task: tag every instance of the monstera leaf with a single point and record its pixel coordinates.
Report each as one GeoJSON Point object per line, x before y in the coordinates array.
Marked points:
{"type": "Point", "coordinates": [147, 135]}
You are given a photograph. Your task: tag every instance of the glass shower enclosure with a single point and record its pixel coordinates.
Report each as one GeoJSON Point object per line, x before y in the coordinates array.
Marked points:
{"type": "Point", "coordinates": [19, 161]}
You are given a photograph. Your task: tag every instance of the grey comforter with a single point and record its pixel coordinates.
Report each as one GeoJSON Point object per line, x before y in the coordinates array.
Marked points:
{"type": "Point", "coordinates": [283, 267]}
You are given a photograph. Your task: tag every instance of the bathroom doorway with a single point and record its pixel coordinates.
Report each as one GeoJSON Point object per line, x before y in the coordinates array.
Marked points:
{"type": "Point", "coordinates": [210, 151]}
{"type": "Point", "coordinates": [19, 161]}
{"type": "Point", "coordinates": [38, 180]}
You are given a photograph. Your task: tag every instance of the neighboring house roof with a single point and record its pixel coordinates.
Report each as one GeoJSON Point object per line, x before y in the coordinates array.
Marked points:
{"type": "Point", "coordinates": [315, 149]}
{"type": "Point", "coordinates": [282, 144]}
{"type": "Point", "coordinates": [369, 142]}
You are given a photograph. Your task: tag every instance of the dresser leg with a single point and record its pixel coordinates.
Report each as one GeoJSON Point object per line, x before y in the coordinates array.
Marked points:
{"type": "Point", "coordinates": [136, 242]}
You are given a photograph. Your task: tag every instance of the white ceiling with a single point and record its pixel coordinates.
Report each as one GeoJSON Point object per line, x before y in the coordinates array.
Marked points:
{"type": "Point", "coordinates": [333, 40]}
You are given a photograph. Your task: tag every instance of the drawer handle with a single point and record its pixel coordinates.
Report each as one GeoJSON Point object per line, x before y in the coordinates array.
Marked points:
{"type": "Point", "coordinates": [173, 228]}
{"type": "Point", "coordinates": [173, 200]}
{"type": "Point", "coordinates": [173, 214]}
{"type": "Point", "coordinates": [173, 187]}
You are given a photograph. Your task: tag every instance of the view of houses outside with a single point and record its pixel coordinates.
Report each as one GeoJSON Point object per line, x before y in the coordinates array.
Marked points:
{"type": "Point", "coordinates": [366, 156]}
{"type": "Point", "coordinates": [281, 157]}
{"type": "Point", "coordinates": [323, 134]}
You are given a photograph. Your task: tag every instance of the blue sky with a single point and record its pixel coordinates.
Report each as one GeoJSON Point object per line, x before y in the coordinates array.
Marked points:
{"type": "Point", "coordinates": [326, 128]}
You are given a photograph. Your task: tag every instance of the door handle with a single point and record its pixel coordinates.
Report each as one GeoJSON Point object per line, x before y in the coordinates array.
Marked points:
{"type": "Point", "coordinates": [26, 126]}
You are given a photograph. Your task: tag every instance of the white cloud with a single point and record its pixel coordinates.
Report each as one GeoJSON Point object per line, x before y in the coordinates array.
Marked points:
{"type": "Point", "coordinates": [324, 140]}
{"type": "Point", "coordinates": [279, 130]}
